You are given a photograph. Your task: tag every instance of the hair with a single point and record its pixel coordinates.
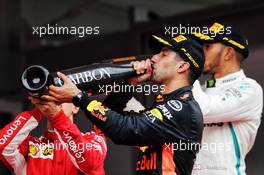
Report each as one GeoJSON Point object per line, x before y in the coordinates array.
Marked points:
{"type": "Point", "coordinates": [191, 75]}
{"type": "Point", "coordinates": [239, 56]}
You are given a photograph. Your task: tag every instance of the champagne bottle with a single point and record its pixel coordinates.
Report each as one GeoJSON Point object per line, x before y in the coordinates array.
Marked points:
{"type": "Point", "coordinates": [36, 79]}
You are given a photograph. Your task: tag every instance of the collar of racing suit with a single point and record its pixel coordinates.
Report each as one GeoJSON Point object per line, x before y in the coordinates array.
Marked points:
{"type": "Point", "coordinates": [226, 79]}
{"type": "Point", "coordinates": [177, 93]}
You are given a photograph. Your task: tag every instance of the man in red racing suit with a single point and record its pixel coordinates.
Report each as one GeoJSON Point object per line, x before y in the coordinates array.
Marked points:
{"type": "Point", "coordinates": [63, 149]}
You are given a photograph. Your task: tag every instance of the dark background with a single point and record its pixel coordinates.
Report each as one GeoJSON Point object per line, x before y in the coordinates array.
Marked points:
{"type": "Point", "coordinates": [124, 30]}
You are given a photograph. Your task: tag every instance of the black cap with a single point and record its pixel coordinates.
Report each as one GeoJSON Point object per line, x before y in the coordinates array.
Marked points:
{"type": "Point", "coordinates": [189, 50]}
{"type": "Point", "coordinates": [225, 34]}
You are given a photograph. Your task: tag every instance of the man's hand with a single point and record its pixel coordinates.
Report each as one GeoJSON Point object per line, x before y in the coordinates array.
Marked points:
{"type": "Point", "coordinates": [144, 71]}
{"type": "Point", "coordinates": [63, 94]}
{"type": "Point", "coordinates": [48, 108]}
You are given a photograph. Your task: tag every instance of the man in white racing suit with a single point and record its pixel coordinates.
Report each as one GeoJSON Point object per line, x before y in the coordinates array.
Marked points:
{"type": "Point", "coordinates": [231, 105]}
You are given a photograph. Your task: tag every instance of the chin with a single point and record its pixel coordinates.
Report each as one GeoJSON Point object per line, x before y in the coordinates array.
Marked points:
{"type": "Point", "coordinates": [205, 72]}
{"type": "Point", "coordinates": [208, 72]}
{"type": "Point", "coordinates": [155, 79]}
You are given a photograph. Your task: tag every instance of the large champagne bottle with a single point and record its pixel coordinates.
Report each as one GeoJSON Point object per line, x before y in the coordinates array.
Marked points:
{"type": "Point", "coordinates": [36, 79]}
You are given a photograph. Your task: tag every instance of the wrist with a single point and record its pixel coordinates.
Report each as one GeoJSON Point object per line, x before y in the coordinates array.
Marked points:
{"type": "Point", "coordinates": [54, 113]}
{"type": "Point", "coordinates": [76, 92]}
{"type": "Point", "coordinates": [79, 98]}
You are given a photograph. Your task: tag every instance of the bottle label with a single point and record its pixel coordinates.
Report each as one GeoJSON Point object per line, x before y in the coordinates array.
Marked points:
{"type": "Point", "coordinates": [88, 76]}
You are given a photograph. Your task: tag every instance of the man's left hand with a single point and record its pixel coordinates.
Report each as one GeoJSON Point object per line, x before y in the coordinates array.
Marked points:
{"type": "Point", "coordinates": [48, 108]}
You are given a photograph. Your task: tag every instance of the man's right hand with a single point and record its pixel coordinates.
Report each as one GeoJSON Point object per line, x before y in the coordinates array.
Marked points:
{"type": "Point", "coordinates": [144, 71]}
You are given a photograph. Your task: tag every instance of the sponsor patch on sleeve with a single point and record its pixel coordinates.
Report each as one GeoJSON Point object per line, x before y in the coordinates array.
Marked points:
{"type": "Point", "coordinates": [97, 110]}
{"type": "Point", "coordinates": [231, 93]}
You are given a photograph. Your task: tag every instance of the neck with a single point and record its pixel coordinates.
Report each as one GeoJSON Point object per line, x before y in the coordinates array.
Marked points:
{"type": "Point", "coordinates": [174, 85]}
{"type": "Point", "coordinates": [226, 70]}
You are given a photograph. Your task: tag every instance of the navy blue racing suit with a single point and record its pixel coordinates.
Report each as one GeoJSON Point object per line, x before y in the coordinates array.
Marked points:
{"type": "Point", "coordinates": [168, 134]}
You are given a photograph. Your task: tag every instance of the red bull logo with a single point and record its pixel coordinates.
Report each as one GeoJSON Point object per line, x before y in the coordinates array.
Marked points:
{"type": "Point", "coordinates": [147, 164]}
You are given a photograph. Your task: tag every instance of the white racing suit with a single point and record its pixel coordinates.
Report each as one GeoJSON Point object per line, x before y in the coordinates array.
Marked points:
{"type": "Point", "coordinates": [232, 108]}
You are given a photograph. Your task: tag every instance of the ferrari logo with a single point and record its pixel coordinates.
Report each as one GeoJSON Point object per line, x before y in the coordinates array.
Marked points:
{"type": "Point", "coordinates": [33, 150]}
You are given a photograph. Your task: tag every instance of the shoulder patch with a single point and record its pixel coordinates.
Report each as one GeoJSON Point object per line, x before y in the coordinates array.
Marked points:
{"type": "Point", "coordinates": [176, 105]}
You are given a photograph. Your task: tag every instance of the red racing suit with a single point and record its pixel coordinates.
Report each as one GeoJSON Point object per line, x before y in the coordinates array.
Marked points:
{"type": "Point", "coordinates": [64, 150]}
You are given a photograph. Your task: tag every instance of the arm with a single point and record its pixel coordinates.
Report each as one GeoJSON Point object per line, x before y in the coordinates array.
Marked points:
{"type": "Point", "coordinates": [117, 101]}
{"type": "Point", "coordinates": [155, 126]}
{"type": "Point", "coordinates": [87, 152]}
{"type": "Point", "coordinates": [141, 129]}
{"type": "Point", "coordinates": [15, 136]}
{"type": "Point", "coordinates": [232, 104]}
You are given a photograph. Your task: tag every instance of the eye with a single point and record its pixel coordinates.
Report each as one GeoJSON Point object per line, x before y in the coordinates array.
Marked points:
{"type": "Point", "coordinates": [165, 53]}
{"type": "Point", "coordinates": [206, 46]}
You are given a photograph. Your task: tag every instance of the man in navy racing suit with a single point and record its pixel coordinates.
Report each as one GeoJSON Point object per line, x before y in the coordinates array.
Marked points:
{"type": "Point", "coordinates": [168, 133]}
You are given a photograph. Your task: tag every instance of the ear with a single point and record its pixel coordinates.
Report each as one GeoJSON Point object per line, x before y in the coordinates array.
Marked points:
{"type": "Point", "coordinates": [183, 66]}
{"type": "Point", "coordinates": [75, 110]}
{"type": "Point", "coordinates": [229, 53]}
